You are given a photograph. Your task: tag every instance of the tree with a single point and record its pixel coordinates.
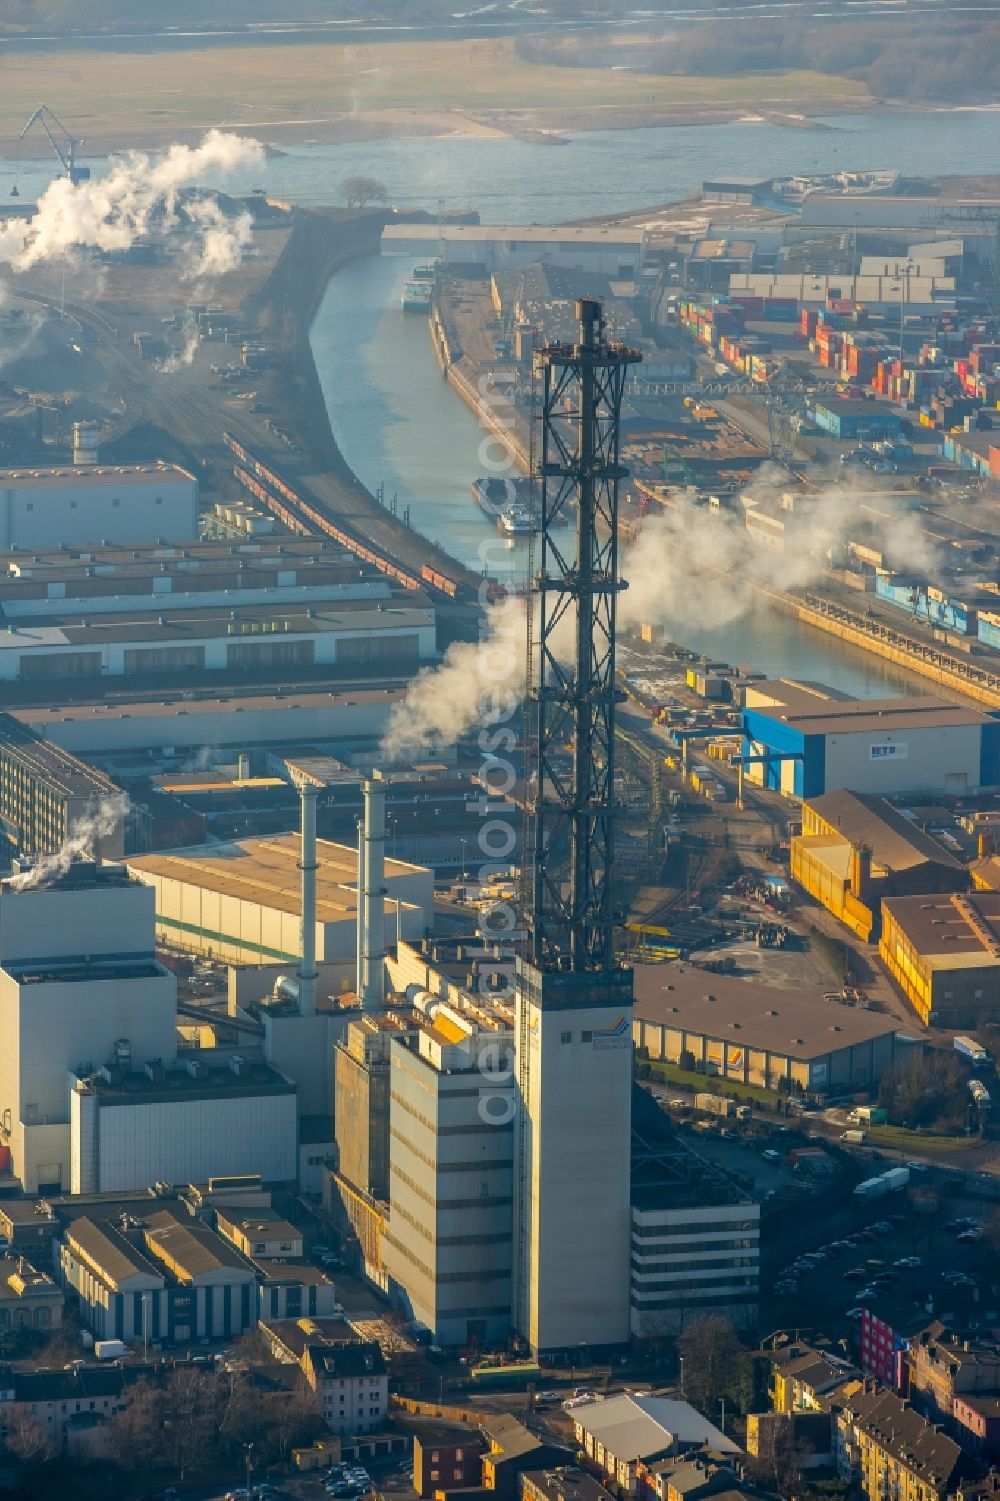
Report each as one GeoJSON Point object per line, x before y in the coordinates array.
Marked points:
{"type": "Point", "coordinates": [360, 191]}
{"type": "Point", "coordinates": [27, 1439]}
{"type": "Point", "coordinates": [716, 1365]}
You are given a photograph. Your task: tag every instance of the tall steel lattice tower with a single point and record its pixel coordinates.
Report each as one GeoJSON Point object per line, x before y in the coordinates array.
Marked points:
{"type": "Point", "coordinates": [572, 656]}
{"type": "Point", "coordinates": [573, 1006]}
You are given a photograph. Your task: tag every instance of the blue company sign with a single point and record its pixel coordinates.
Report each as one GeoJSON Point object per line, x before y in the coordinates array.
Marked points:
{"type": "Point", "coordinates": [892, 752]}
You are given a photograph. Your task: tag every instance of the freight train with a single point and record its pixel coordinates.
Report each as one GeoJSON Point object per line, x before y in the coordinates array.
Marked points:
{"type": "Point", "coordinates": [306, 519]}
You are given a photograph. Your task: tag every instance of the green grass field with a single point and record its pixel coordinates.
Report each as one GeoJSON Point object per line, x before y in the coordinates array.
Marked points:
{"type": "Point", "coordinates": [145, 94]}
{"type": "Point", "coordinates": [670, 1073]}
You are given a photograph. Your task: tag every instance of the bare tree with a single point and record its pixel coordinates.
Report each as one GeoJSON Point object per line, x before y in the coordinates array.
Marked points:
{"type": "Point", "coordinates": [27, 1439]}
{"type": "Point", "coordinates": [716, 1364]}
{"type": "Point", "coordinates": [360, 191]}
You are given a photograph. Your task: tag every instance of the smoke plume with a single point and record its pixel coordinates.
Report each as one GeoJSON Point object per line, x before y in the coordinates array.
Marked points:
{"type": "Point", "coordinates": [185, 355]}
{"type": "Point", "coordinates": [474, 680]}
{"type": "Point", "coordinates": [83, 843]}
{"type": "Point", "coordinates": [138, 194]}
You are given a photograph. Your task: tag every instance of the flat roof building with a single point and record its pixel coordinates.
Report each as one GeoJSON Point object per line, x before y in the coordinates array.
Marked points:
{"type": "Point", "coordinates": [128, 503]}
{"type": "Point", "coordinates": [881, 746]}
{"type": "Point", "coordinates": [944, 954]}
{"type": "Point", "coordinates": [622, 1432]}
{"type": "Point", "coordinates": [614, 250]}
{"type": "Point", "coordinates": [756, 1034]}
{"type": "Point", "coordinates": [241, 900]}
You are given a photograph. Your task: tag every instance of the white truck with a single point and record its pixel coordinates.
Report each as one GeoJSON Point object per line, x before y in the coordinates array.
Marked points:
{"type": "Point", "coordinates": [110, 1349]}
{"type": "Point", "coordinates": [889, 1182]}
{"type": "Point", "coordinates": [971, 1049]}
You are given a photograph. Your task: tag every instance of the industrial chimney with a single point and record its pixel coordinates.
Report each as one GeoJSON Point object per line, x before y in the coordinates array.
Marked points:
{"type": "Point", "coordinates": [307, 867]}
{"type": "Point", "coordinates": [371, 900]}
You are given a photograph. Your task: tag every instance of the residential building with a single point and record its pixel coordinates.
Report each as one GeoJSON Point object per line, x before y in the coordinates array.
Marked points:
{"type": "Point", "coordinates": [804, 1379]}
{"type": "Point", "coordinates": [446, 1457]}
{"type": "Point", "coordinates": [351, 1384]}
{"type": "Point", "coordinates": [944, 1365]}
{"type": "Point", "coordinates": [564, 1483]}
{"type": "Point", "coordinates": [55, 1400]}
{"type": "Point", "coordinates": [884, 1336]}
{"type": "Point", "coordinates": [887, 1449]}
{"type": "Point", "coordinates": [621, 1434]}
{"type": "Point", "coordinates": [511, 1449]}
{"type": "Point", "coordinates": [944, 954]}
{"type": "Point", "coordinates": [976, 1426]}
{"type": "Point", "coordinates": [29, 1299]}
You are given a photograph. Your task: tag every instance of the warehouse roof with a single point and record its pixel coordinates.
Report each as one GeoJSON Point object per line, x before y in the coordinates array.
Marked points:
{"type": "Point", "coordinates": [541, 234]}
{"type": "Point", "coordinates": [896, 842]}
{"type": "Point", "coordinates": [86, 475]}
{"type": "Point", "coordinates": [109, 1253]}
{"type": "Point", "coordinates": [191, 1250]}
{"type": "Point", "coordinates": [846, 406]}
{"type": "Point", "coordinates": [960, 931]}
{"type": "Point", "coordinates": [867, 716]}
{"type": "Point", "coordinates": [642, 1427]}
{"type": "Point", "coordinates": [758, 1016]}
{"type": "Point", "coordinates": [178, 704]}
{"type": "Point", "coordinates": [266, 871]}
{"type": "Point", "coordinates": [59, 769]}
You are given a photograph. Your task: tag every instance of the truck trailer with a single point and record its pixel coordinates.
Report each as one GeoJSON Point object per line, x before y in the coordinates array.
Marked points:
{"type": "Point", "coordinates": [971, 1049]}
{"type": "Point", "coordinates": [718, 1104]}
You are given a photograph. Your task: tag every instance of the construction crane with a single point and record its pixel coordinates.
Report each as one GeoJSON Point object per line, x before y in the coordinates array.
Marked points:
{"type": "Point", "coordinates": [66, 154]}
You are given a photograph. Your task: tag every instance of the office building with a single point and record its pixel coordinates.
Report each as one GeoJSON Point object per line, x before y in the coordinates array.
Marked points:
{"type": "Point", "coordinates": [47, 794]}
{"type": "Point", "coordinates": [944, 954]}
{"type": "Point", "coordinates": [447, 1249]}
{"type": "Point", "coordinates": [132, 503]}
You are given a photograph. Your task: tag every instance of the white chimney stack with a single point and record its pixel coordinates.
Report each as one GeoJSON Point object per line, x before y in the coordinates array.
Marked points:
{"type": "Point", "coordinates": [371, 901]}
{"type": "Point", "coordinates": [307, 867]}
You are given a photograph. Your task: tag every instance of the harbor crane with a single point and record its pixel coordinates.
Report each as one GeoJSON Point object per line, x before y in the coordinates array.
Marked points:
{"type": "Point", "coordinates": [65, 153]}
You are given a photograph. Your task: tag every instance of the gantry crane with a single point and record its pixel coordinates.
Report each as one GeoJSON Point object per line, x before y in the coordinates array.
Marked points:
{"type": "Point", "coordinates": [66, 155]}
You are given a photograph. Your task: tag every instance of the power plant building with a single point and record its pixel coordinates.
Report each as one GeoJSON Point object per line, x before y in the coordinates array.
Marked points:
{"type": "Point", "coordinates": [240, 901]}
{"type": "Point", "coordinates": [855, 848]}
{"type": "Point", "coordinates": [944, 954]}
{"type": "Point", "coordinates": [91, 503]}
{"type": "Point", "coordinates": [808, 745]}
{"type": "Point", "coordinates": [448, 1246]}
{"type": "Point", "coordinates": [756, 1034]}
{"type": "Point", "coordinates": [47, 793]}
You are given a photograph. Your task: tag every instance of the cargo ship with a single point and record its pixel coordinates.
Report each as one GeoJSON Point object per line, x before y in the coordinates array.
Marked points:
{"type": "Point", "coordinates": [507, 503]}
{"type": "Point", "coordinates": [417, 296]}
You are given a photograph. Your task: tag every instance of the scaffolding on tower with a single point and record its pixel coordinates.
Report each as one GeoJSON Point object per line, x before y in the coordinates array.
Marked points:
{"type": "Point", "coordinates": [571, 645]}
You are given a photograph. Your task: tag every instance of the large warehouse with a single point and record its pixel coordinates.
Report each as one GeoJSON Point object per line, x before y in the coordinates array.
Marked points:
{"type": "Point", "coordinates": [944, 954]}
{"type": "Point", "coordinates": [614, 251]}
{"type": "Point", "coordinates": [240, 901]}
{"type": "Point", "coordinates": [854, 849]}
{"type": "Point", "coordinates": [755, 1034]}
{"type": "Point", "coordinates": [134, 503]}
{"type": "Point", "coordinates": [808, 745]}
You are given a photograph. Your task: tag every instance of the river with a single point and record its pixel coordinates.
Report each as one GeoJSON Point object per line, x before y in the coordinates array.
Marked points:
{"type": "Point", "coordinates": [396, 420]}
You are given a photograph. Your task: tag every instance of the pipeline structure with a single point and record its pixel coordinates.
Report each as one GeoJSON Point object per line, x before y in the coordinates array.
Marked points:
{"type": "Point", "coordinates": [307, 519]}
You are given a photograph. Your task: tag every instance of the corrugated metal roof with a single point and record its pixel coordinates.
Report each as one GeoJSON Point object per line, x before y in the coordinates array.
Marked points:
{"type": "Point", "coordinates": [636, 1427]}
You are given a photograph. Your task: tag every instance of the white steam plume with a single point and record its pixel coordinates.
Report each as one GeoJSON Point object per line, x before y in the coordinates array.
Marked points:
{"type": "Point", "coordinates": [82, 843]}
{"type": "Point", "coordinates": [138, 193]}
{"type": "Point", "coordinates": [682, 554]}
{"type": "Point", "coordinates": [184, 355]}
{"type": "Point", "coordinates": [474, 681]}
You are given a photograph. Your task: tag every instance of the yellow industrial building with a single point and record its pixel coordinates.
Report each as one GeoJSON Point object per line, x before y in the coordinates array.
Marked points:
{"type": "Point", "coordinates": [944, 954]}
{"type": "Point", "coordinates": [855, 849]}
